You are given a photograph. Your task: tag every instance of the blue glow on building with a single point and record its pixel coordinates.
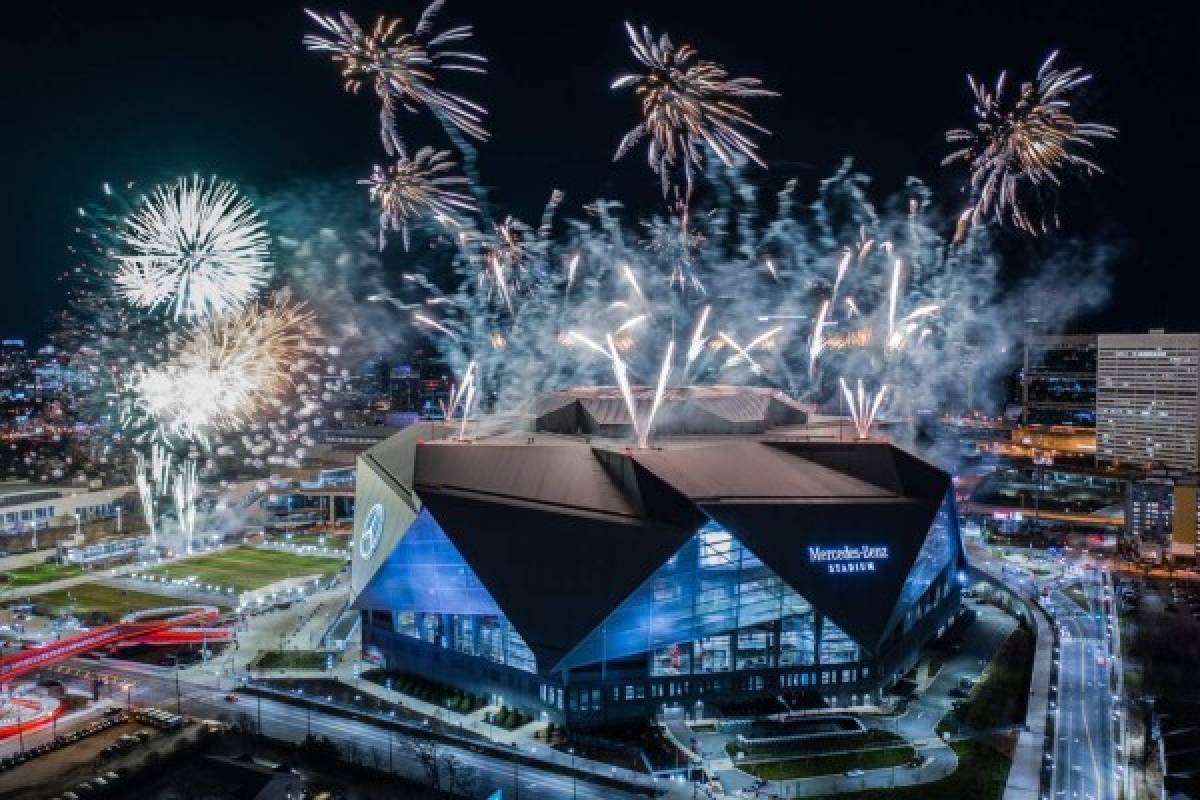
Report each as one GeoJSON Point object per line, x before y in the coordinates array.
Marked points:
{"type": "Point", "coordinates": [435, 596]}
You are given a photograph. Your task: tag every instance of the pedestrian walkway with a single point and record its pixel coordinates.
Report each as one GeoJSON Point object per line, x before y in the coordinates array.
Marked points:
{"type": "Point", "coordinates": [1025, 775]}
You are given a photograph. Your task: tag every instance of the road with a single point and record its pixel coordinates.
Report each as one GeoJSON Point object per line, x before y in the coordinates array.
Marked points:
{"type": "Point", "coordinates": [1084, 758]}
{"type": "Point", "coordinates": [156, 686]}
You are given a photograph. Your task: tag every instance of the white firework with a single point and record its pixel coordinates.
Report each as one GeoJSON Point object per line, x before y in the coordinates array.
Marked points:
{"type": "Point", "coordinates": [184, 490]}
{"type": "Point", "coordinates": [195, 247]}
{"type": "Point", "coordinates": [225, 372]}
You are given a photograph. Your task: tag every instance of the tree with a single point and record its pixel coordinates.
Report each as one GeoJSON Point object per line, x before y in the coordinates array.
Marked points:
{"type": "Point", "coordinates": [444, 770]}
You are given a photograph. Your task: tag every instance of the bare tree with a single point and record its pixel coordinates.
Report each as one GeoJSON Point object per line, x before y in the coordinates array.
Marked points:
{"type": "Point", "coordinates": [444, 769]}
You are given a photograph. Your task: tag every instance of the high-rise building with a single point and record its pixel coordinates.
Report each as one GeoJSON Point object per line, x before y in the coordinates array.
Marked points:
{"type": "Point", "coordinates": [1058, 380]}
{"type": "Point", "coordinates": [1183, 522]}
{"type": "Point", "coordinates": [1149, 508]}
{"type": "Point", "coordinates": [1148, 400]}
{"type": "Point", "coordinates": [405, 388]}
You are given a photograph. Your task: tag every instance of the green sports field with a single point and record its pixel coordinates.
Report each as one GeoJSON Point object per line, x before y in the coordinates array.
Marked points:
{"type": "Point", "coordinates": [246, 568]}
{"type": "Point", "coordinates": [37, 573]}
{"type": "Point", "coordinates": [97, 599]}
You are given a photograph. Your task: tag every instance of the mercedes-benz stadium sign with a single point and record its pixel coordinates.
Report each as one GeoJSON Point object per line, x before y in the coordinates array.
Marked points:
{"type": "Point", "coordinates": [861, 558]}
{"type": "Point", "coordinates": [372, 531]}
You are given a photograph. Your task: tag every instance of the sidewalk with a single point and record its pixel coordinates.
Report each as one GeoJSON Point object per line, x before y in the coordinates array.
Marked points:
{"type": "Point", "coordinates": [1025, 775]}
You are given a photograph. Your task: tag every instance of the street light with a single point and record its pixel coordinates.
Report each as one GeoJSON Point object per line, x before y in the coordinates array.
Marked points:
{"type": "Point", "coordinates": [574, 778]}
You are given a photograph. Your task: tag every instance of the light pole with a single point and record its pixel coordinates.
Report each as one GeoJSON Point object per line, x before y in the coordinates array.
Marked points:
{"type": "Point", "coordinates": [574, 778]}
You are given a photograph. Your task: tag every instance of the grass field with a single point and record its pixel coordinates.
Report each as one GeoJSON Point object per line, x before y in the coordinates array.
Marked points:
{"type": "Point", "coordinates": [981, 775]}
{"type": "Point", "coordinates": [830, 764]}
{"type": "Point", "coordinates": [824, 755]}
{"type": "Point", "coordinates": [245, 568]}
{"type": "Point", "coordinates": [99, 601]}
{"type": "Point", "coordinates": [1000, 697]}
{"type": "Point", "coordinates": [290, 659]}
{"type": "Point", "coordinates": [37, 573]}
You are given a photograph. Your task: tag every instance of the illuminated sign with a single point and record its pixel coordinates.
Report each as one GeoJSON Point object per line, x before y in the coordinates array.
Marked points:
{"type": "Point", "coordinates": [372, 531]}
{"type": "Point", "coordinates": [848, 558]}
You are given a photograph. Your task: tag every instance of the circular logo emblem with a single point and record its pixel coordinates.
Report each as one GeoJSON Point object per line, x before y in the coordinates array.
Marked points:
{"type": "Point", "coordinates": [372, 531]}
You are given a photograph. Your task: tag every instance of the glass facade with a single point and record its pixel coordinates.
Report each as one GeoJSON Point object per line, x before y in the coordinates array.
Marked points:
{"type": "Point", "coordinates": [436, 597]}
{"type": "Point", "coordinates": [713, 621]}
{"type": "Point", "coordinates": [714, 607]}
{"type": "Point", "coordinates": [942, 545]}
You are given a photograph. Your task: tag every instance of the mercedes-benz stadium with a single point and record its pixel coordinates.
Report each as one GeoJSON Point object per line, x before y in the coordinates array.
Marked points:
{"type": "Point", "coordinates": [747, 556]}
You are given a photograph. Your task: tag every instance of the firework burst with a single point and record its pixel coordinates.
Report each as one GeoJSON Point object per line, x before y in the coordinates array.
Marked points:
{"type": "Point", "coordinates": [417, 187]}
{"type": "Point", "coordinates": [225, 372]}
{"type": "Point", "coordinates": [687, 103]}
{"type": "Point", "coordinates": [403, 68]}
{"type": "Point", "coordinates": [196, 247]}
{"type": "Point", "coordinates": [1018, 151]}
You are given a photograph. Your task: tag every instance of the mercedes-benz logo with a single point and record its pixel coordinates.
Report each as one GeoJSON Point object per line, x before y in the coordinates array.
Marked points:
{"type": "Point", "coordinates": [372, 531]}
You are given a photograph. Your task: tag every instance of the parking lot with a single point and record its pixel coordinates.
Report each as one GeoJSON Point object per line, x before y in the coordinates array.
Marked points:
{"type": "Point", "coordinates": [98, 760]}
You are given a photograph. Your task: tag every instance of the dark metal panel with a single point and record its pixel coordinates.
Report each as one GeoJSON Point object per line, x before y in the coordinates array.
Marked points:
{"type": "Point", "coordinates": [745, 469]}
{"type": "Point", "coordinates": [564, 475]}
{"type": "Point", "coordinates": [555, 575]}
{"type": "Point", "coordinates": [878, 463]}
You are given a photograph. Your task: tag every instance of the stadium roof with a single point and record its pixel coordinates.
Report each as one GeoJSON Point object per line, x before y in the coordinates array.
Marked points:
{"type": "Point", "coordinates": [576, 524]}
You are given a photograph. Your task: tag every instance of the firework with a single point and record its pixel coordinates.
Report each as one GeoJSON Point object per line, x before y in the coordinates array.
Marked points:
{"type": "Point", "coordinates": [151, 477]}
{"type": "Point", "coordinates": [464, 395]}
{"type": "Point", "coordinates": [414, 187]}
{"type": "Point", "coordinates": [664, 375]}
{"type": "Point", "coordinates": [196, 247]}
{"type": "Point", "coordinates": [743, 353]}
{"type": "Point", "coordinates": [402, 67]}
{"type": "Point", "coordinates": [697, 344]}
{"type": "Point", "coordinates": [183, 488]}
{"type": "Point", "coordinates": [225, 372]}
{"type": "Point", "coordinates": [816, 342]}
{"type": "Point", "coordinates": [862, 407]}
{"type": "Point", "coordinates": [687, 104]}
{"type": "Point", "coordinates": [1019, 150]}
{"type": "Point", "coordinates": [424, 320]}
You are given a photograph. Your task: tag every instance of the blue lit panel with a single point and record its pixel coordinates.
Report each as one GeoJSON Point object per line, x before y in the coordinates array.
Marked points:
{"type": "Point", "coordinates": [713, 607]}
{"type": "Point", "coordinates": [942, 545]}
{"type": "Point", "coordinates": [425, 572]}
{"type": "Point", "coordinates": [436, 597]}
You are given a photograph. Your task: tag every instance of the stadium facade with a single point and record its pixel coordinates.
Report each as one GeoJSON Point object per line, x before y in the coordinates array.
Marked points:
{"type": "Point", "coordinates": [738, 561]}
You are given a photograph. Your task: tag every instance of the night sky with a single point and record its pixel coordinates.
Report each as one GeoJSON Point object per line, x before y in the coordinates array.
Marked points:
{"type": "Point", "coordinates": [117, 91]}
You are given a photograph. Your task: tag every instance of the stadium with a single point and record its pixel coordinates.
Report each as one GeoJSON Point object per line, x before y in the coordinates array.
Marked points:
{"type": "Point", "coordinates": [749, 558]}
